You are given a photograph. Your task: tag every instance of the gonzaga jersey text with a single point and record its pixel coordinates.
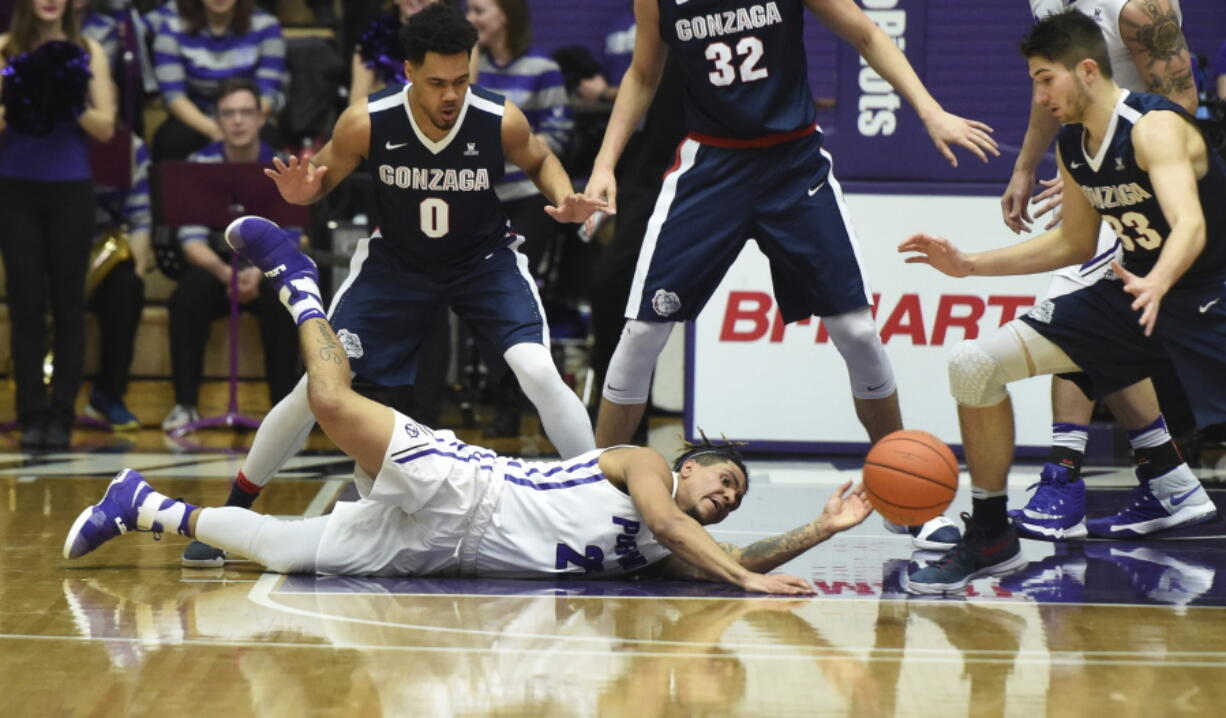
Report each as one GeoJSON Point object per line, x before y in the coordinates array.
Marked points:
{"type": "Point", "coordinates": [435, 202]}
{"type": "Point", "coordinates": [744, 65]}
{"type": "Point", "coordinates": [1121, 192]}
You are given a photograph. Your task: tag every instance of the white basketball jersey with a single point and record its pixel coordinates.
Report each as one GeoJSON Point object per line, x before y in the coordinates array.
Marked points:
{"type": "Point", "coordinates": [564, 517]}
{"type": "Point", "coordinates": [1107, 14]}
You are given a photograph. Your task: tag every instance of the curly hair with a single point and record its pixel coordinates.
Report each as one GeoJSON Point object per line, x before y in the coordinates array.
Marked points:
{"type": "Point", "coordinates": [708, 452]}
{"type": "Point", "coordinates": [439, 28]}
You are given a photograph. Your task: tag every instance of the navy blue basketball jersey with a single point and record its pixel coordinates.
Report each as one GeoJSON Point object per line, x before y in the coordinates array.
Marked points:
{"type": "Point", "coordinates": [743, 64]}
{"type": "Point", "coordinates": [434, 200]}
{"type": "Point", "coordinates": [1121, 192]}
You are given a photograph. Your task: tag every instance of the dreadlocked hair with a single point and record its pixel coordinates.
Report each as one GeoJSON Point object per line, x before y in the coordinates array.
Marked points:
{"type": "Point", "coordinates": [708, 452]}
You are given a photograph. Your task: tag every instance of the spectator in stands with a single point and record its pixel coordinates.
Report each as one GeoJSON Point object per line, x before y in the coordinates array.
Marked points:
{"type": "Point", "coordinates": [47, 201]}
{"type": "Point", "coordinates": [157, 18]}
{"type": "Point", "coordinates": [116, 290]}
{"type": "Point", "coordinates": [195, 51]}
{"type": "Point", "coordinates": [99, 25]}
{"type": "Point", "coordinates": [533, 81]}
{"type": "Point", "coordinates": [203, 291]}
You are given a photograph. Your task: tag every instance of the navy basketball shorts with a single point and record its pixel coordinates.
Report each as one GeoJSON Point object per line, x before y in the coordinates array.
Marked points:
{"type": "Point", "coordinates": [714, 199]}
{"type": "Point", "coordinates": [1097, 327]}
{"type": "Point", "coordinates": [385, 308]}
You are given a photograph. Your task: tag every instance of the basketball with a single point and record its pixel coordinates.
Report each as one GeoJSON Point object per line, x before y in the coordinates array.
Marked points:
{"type": "Point", "coordinates": [911, 476]}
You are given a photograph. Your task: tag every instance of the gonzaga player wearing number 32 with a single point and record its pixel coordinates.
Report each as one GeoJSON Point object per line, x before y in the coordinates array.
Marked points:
{"type": "Point", "coordinates": [753, 165]}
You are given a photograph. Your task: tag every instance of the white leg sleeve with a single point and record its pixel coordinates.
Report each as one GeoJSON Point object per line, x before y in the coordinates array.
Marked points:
{"type": "Point", "coordinates": [855, 335]}
{"type": "Point", "coordinates": [628, 380]}
{"type": "Point", "coordinates": [283, 546]}
{"type": "Point", "coordinates": [980, 368]}
{"type": "Point", "coordinates": [281, 435]}
{"type": "Point", "coordinates": [563, 417]}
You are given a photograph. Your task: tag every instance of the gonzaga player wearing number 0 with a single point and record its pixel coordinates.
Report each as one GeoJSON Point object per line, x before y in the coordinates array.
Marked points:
{"type": "Point", "coordinates": [753, 165]}
{"type": "Point", "coordinates": [1139, 163]}
{"type": "Point", "coordinates": [434, 505]}
{"type": "Point", "coordinates": [435, 146]}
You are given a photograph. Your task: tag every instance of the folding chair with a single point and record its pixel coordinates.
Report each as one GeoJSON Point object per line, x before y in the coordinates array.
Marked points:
{"type": "Point", "coordinates": [214, 195]}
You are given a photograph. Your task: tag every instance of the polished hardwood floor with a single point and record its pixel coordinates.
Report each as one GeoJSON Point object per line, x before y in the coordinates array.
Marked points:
{"type": "Point", "coordinates": [1114, 628]}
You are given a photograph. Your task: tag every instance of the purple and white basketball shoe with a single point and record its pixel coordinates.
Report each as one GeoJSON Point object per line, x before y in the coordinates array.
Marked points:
{"type": "Point", "coordinates": [114, 515]}
{"type": "Point", "coordinates": [275, 252]}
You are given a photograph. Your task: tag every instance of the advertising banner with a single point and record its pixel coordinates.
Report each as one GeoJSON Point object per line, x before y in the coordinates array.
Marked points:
{"type": "Point", "coordinates": [785, 387]}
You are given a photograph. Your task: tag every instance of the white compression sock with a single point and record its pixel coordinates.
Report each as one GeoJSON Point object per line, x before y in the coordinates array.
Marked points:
{"type": "Point", "coordinates": [281, 435]}
{"type": "Point", "coordinates": [283, 546]}
{"type": "Point", "coordinates": [563, 417]}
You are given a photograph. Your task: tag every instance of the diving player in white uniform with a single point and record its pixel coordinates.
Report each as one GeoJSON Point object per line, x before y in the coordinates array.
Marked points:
{"type": "Point", "coordinates": [436, 147]}
{"type": "Point", "coordinates": [1148, 53]}
{"type": "Point", "coordinates": [434, 505]}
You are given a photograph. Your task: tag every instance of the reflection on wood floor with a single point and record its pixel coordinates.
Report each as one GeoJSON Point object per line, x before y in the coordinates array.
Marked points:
{"type": "Point", "coordinates": [1134, 628]}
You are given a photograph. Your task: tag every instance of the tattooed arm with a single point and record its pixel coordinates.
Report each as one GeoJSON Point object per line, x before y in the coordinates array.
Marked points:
{"type": "Point", "coordinates": [1150, 29]}
{"type": "Point", "coordinates": [846, 508]}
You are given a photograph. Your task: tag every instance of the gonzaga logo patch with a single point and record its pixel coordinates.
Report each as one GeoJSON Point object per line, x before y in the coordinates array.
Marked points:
{"type": "Point", "coordinates": [665, 302]}
{"type": "Point", "coordinates": [352, 343]}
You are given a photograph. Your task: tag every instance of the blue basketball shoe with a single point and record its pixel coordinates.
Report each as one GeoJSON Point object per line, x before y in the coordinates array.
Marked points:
{"type": "Point", "coordinates": [275, 251]}
{"type": "Point", "coordinates": [1164, 575]}
{"type": "Point", "coordinates": [974, 556]}
{"type": "Point", "coordinates": [114, 515]}
{"type": "Point", "coordinates": [1057, 510]}
{"type": "Point", "coordinates": [1175, 499]}
{"type": "Point", "coordinates": [1059, 578]}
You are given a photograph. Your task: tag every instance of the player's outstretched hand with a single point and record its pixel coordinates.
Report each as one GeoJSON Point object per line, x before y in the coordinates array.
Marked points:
{"type": "Point", "coordinates": [946, 129]}
{"type": "Point", "coordinates": [577, 208]}
{"type": "Point", "coordinates": [778, 583]}
{"type": "Point", "coordinates": [298, 182]}
{"type": "Point", "coordinates": [1053, 198]}
{"type": "Point", "coordinates": [845, 508]}
{"type": "Point", "coordinates": [937, 252]}
{"type": "Point", "coordinates": [1148, 293]}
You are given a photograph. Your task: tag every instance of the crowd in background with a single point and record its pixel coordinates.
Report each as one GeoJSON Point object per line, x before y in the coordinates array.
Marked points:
{"type": "Point", "coordinates": [217, 81]}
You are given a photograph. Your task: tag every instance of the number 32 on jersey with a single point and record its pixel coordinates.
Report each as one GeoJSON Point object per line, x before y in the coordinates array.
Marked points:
{"type": "Point", "coordinates": [749, 53]}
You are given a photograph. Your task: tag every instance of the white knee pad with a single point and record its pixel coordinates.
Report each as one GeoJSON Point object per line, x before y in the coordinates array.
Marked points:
{"type": "Point", "coordinates": [855, 335]}
{"type": "Point", "coordinates": [628, 380]}
{"type": "Point", "coordinates": [980, 368]}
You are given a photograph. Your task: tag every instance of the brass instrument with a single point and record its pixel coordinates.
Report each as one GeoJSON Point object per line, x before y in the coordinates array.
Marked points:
{"type": "Point", "coordinates": [111, 250]}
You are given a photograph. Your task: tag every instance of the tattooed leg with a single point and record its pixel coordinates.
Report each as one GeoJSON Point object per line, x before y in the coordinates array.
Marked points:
{"type": "Point", "coordinates": [360, 427]}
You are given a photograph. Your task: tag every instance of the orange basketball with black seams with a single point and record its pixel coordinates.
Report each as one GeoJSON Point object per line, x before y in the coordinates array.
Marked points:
{"type": "Point", "coordinates": [911, 476]}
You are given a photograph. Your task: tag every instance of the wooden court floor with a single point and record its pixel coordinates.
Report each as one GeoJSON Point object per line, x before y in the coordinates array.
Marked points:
{"type": "Point", "coordinates": [1114, 629]}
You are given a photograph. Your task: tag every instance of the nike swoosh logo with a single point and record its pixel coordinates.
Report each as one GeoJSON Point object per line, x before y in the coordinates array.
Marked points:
{"type": "Point", "coordinates": [1075, 165]}
{"type": "Point", "coordinates": [874, 388]}
{"type": "Point", "coordinates": [1205, 307]}
{"type": "Point", "coordinates": [390, 146]}
{"type": "Point", "coordinates": [1177, 500]}
{"type": "Point", "coordinates": [817, 188]}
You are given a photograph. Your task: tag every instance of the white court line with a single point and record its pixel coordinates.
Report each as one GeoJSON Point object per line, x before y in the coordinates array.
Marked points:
{"type": "Point", "coordinates": [948, 656]}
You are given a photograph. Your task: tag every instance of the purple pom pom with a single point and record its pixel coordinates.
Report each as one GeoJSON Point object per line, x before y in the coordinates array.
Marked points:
{"type": "Point", "coordinates": [381, 50]}
{"type": "Point", "coordinates": [45, 87]}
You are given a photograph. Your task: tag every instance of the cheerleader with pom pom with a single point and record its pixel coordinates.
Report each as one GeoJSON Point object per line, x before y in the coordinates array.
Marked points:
{"type": "Point", "coordinates": [378, 60]}
{"type": "Point", "coordinates": [55, 89]}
